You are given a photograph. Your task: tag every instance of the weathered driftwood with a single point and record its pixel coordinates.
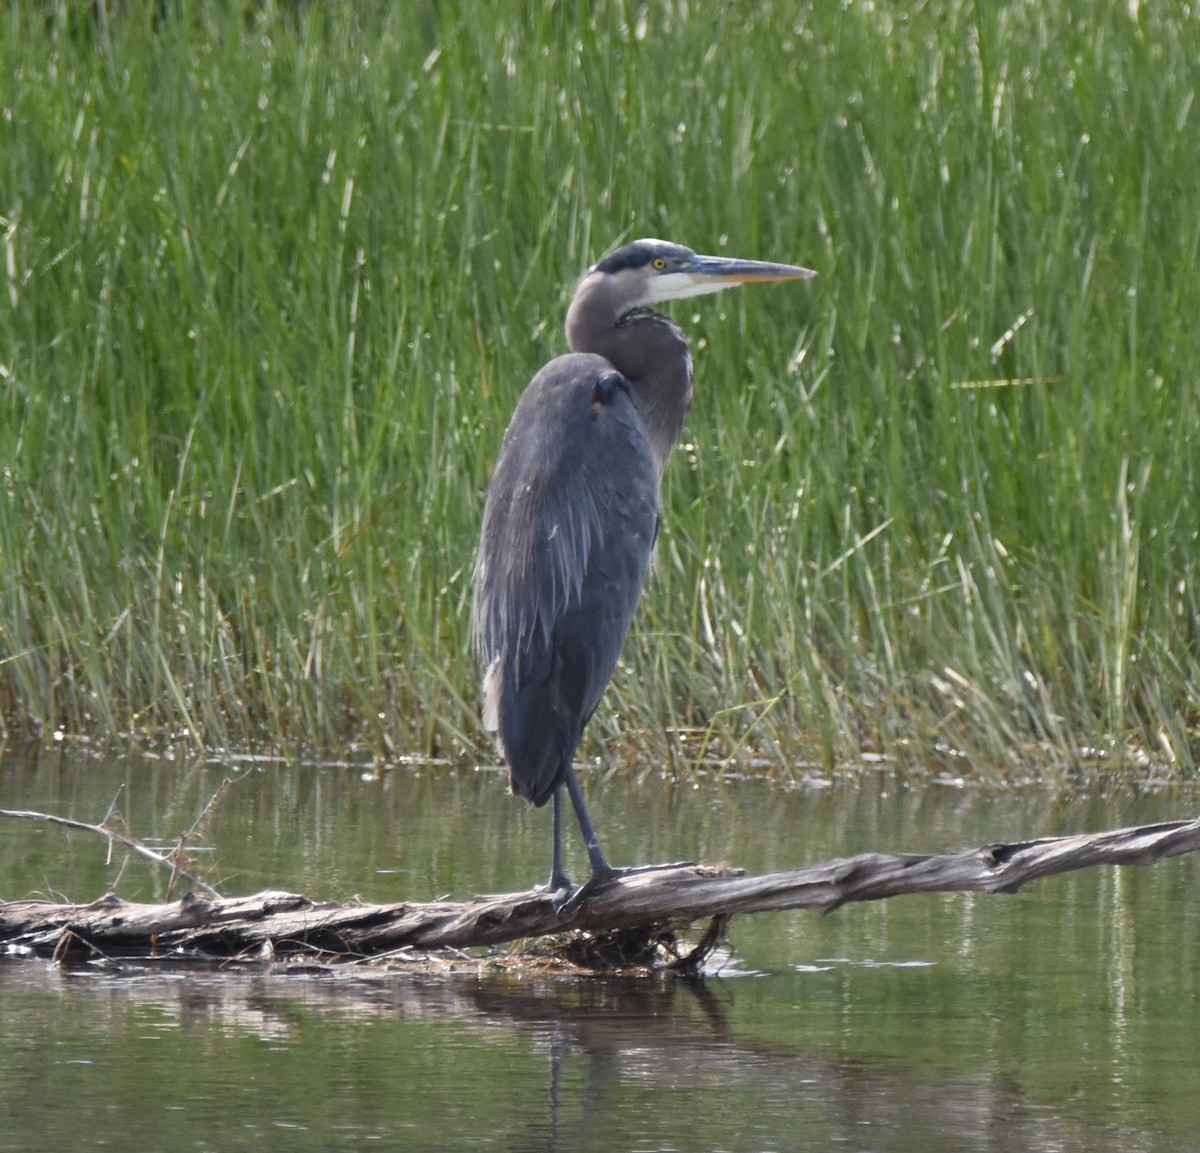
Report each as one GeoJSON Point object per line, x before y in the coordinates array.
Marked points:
{"type": "Point", "coordinates": [631, 914]}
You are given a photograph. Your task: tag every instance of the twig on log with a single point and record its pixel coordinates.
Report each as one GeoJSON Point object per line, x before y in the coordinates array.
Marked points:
{"type": "Point", "coordinates": [114, 838]}
{"type": "Point", "coordinates": [273, 924]}
{"type": "Point", "coordinates": [177, 854]}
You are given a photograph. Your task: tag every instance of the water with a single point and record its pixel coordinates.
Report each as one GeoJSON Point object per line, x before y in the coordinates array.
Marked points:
{"type": "Point", "coordinates": [1063, 1018]}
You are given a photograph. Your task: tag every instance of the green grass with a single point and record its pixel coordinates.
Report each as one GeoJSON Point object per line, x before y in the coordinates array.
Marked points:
{"type": "Point", "coordinates": [274, 277]}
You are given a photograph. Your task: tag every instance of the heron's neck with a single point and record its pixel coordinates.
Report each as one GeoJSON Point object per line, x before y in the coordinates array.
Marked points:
{"type": "Point", "coordinates": [651, 352]}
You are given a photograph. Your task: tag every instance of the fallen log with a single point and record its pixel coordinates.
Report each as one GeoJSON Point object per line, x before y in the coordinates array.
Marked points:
{"type": "Point", "coordinates": [630, 920]}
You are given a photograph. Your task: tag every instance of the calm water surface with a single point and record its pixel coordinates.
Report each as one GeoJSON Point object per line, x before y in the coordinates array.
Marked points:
{"type": "Point", "coordinates": [1064, 1018]}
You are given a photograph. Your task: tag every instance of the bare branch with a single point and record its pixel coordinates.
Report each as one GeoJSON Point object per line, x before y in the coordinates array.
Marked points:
{"type": "Point", "coordinates": [113, 838]}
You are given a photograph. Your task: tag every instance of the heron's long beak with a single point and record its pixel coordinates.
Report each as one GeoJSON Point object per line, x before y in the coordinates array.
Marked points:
{"type": "Point", "coordinates": [698, 275]}
{"type": "Point", "coordinates": [722, 273]}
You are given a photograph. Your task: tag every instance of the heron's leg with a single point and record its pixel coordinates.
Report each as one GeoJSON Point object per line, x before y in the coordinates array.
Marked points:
{"type": "Point", "coordinates": [600, 866]}
{"type": "Point", "coordinates": [601, 870]}
{"type": "Point", "coordinates": [559, 880]}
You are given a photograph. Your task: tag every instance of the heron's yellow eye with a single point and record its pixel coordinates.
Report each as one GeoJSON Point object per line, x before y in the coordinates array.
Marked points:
{"type": "Point", "coordinates": [659, 264]}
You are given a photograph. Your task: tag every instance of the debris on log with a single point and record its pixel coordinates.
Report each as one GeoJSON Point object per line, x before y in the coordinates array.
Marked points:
{"type": "Point", "coordinates": [631, 920]}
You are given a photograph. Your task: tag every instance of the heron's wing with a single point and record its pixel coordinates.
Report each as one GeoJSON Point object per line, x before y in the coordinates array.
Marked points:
{"type": "Point", "coordinates": [567, 534]}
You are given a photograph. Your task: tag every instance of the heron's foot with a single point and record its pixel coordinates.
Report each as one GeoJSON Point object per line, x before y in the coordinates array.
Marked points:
{"type": "Point", "coordinates": [570, 903]}
{"type": "Point", "coordinates": [559, 883]}
{"type": "Point", "coordinates": [567, 903]}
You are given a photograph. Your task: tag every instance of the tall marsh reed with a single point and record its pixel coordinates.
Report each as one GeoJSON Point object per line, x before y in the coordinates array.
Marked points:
{"type": "Point", "coordinates": [274, 275]}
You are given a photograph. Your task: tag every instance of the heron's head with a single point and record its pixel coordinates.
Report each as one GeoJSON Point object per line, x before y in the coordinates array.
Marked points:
{"type": "Point", "coordinates": [649, 271]}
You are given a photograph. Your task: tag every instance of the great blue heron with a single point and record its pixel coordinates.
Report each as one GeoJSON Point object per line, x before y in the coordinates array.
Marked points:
{"type": "Point", "coordinates": [572, 514]}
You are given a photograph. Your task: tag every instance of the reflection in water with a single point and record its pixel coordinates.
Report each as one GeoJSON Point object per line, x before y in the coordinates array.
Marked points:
{"type": "Point", "coordinates": [659, 1059]}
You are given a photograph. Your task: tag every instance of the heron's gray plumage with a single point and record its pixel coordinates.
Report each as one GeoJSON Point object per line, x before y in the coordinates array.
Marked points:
{"type": "Point", "coordinates": [550, 619]}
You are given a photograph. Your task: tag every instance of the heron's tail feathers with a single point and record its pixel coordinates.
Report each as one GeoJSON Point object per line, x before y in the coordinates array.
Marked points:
{"type": "Point", "coordinates": [534, 734]}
